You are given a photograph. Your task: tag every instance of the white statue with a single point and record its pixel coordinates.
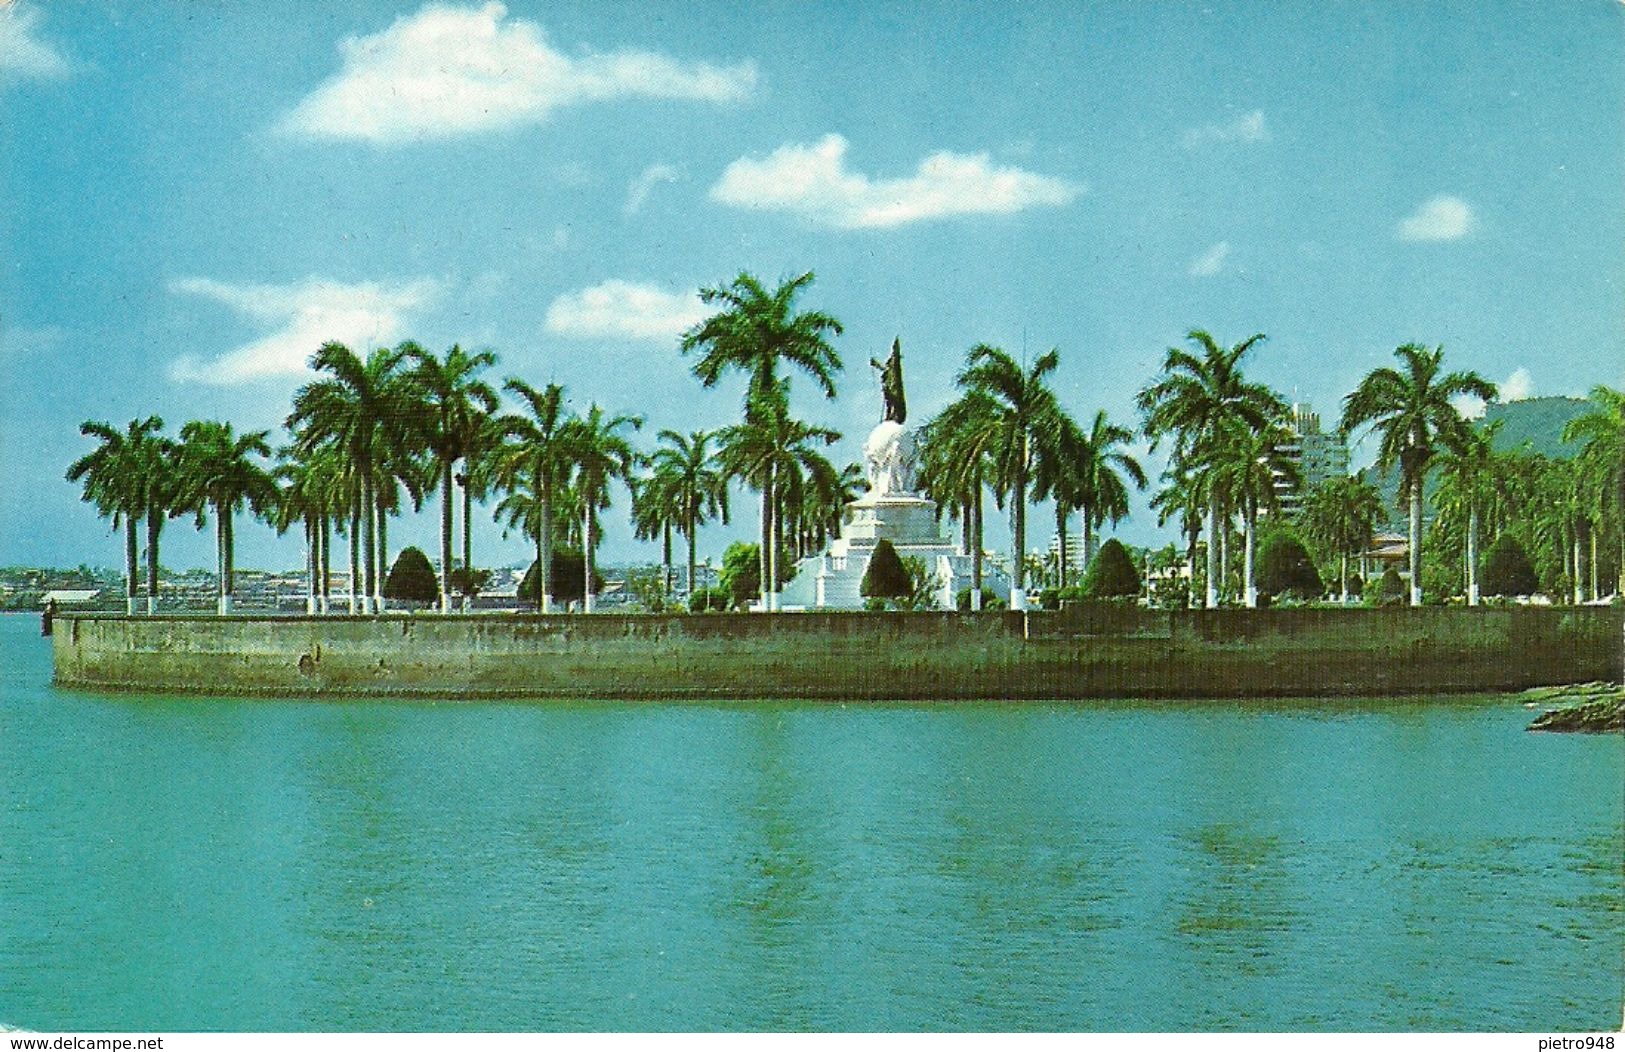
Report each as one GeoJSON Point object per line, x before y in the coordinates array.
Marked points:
{"type": "Point", "coordinates": [888, 460]}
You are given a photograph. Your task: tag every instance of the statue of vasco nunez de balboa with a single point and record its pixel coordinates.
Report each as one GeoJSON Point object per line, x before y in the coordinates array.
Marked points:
{"type": "Point", "coordinates": [891, 383]}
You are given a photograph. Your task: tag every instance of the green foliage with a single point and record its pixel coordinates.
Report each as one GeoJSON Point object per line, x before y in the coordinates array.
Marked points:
{"type": "Point", "coordinates": [1285, 569]}
{"type": "Point", "coordinates": [469, 583]}
{"type": "Point", "coordinates": [874, 604]}
{"type": "Point", "coordinates": [990, 600]}
{"type": "Point", "coordinates": [1390, 590]}
{"type": "Point", "coordinates": [647, 586]}
{"type": "Point", "coordinates": [741, 576]}
{"type": "Point", "coordinates": [709, 600]}
{"type": "Point", "coordinates": [412, 579]}
{"type": "Point", "coordinates": [1112, 574]}
{"type": "Point", "coordinates": [885, 577]}
{"type": "Point", "coordinates": [1507, 570]}
{"type": "Point", "coordinates": [566, 576]}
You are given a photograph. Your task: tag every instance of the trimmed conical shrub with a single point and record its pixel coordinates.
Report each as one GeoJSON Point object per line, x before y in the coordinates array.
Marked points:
{"type": "Point", "coordinates": [1112, 574]}
{"type": "Point", "coordinates": [568, 573]}
{"type": "Point", "coordinates": [1284, 568]}
{"type": "Point", "coordinates": [885, 577]}
{"type": "Point", "coordinates": [412, 579]}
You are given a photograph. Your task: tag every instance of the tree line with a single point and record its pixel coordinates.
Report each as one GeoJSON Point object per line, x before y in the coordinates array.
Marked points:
{"type": "Point", "coordinates": [371, 434]}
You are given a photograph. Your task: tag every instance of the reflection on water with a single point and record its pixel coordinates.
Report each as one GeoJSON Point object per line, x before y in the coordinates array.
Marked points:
{"type": "Point", "coordinates": [193, 864]}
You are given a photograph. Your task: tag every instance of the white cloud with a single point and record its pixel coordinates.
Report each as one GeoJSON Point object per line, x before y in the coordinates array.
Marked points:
{"type": "Point", "coordinates": [23, 55]}
{"type": "Point", "coordinates": [1515, 388]}
{"type": "Point", "coordinates": [1249, 127]}
{"type": "Point", "coordinates": [1210, 262]}
{"type": "Point", "coordinates": [448, 71]}
{"type": "Point", "coordinates": [1440, 218]}
{"type": "Point", "coordinates": [302, 318]}
{"type": "Point", "coordinates": [1518, 386]}
{"type": "Point", "coordinates": [813, 181]}
{"type": "Point", "coordinates": [619, 309]}
{"type": "Point", "coordinates": [644, 184]}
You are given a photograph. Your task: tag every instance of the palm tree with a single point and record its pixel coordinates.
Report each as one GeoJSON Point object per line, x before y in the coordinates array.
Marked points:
{"type": "Point", "coordinates": [1102, 495]}
{"type": "Point", "coordinates": [1602, 463]}
{"type": "Point", "coordinates": [1468, 462]}
{"type": "Point", "coordinates": [1183, 497]}
{"type": "Point", "coordinates": [956, 463]}
{"type": "Point", "coordinates": [458, 403]}
{"type": "Point", "coordinates": [1058, 474]}
{"type": "Point", "coordinates": [112, 475]}
{"type": "Point", "coordinates": [219, 473]}
{"type": "Point", "coordinates": [157, 482]}
{"type": "Point", "coordinates": [538, 455]}
{"type": "Point", "coordinates": [1339, 516]}
{"type": "Point", "coordinates": [356, 409]}
{"type": "Point", "coordinates": [1412, 413]}
{"type": "Point", "coordinates": [1199, 399]}
{"type": "Point", "coordinates": [655, 513]}
{"type": "Point", "coordinates": [686, 471]}
{"type": "Point", "coordinates": [1250, 465]}
{"type": "Point", "coordinates": [601, 454]}
{"type": "Point", "coordinates": [1026, 422]}
{"type": "Point", "coordinates": [769, 447]}
{"type": "Point", "coordinates": [755, 330]}
{"type": "Point", "coordinates": [312, 487]}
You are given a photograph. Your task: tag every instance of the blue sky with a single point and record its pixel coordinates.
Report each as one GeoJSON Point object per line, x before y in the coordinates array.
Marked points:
{"type": "Point", "coordinates": [193, 197]}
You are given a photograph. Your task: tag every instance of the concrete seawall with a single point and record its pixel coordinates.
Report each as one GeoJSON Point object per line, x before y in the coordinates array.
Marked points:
{"type": "Point", "coordinates": [1093, 652]}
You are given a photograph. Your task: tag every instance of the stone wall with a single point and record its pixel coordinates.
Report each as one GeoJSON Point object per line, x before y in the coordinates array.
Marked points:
{"type": "Point", "coordinates": [1079, 653]}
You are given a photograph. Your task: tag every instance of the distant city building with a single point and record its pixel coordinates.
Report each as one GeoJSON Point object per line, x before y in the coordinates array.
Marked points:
{"type": "Point", "coordinates": [1319, 455]}
{"type": "Point", "coordinates": [1076, 557]}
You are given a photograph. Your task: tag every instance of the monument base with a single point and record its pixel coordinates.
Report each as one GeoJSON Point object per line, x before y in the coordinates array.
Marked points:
{"type": "Point", "coordinates": [833, 580]}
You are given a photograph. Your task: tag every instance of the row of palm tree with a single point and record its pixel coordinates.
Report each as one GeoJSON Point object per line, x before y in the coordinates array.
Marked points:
{"type": "Point", "coordinates": [1008, 432]}
{"type": "Point", "coordinates": [371, 433]}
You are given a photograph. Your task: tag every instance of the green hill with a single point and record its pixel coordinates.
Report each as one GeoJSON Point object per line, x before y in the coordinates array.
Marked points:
{"type": "Point", "coordinates": [1535, 424]}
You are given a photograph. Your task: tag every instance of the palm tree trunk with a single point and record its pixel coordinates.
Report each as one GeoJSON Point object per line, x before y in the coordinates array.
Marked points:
{"type": "Point", "coordinates": [1224, 552]}
{"type": "Point", "coordinates": [689, 533]}
{"type": "Point", "coordinates": [1595, 591]}
{"type": "Point", "coordinates": [544, 544]}
{"type": "Point", "coordinates": [665, 551]}
{"type": "Point", "coordinates": [1249, 526]}
{"type": "Point", "coordinates": [357, 584]}
{"type": "Point", "coordinates": [1088, 538]}
{"type": "Point", "coordinates": [324, 565]}
{"type": "Point", "coordinates": [586, 552]}
{"type": "Point", "coordinates": [1211, 598]}
{"type": "Point", "coordinates": [468, 539]}
{"type": "Point", "coordinates": [1472, 553]}
{"type": "Point", "coordinates": [1416, 541]}
{"type": "Point", "coordinates": [310, 566]}
{"type": "Point", "coordinates": [767, 542]}
{"type": "Point", "coordinates": [155, 523]}
{"type": "Point", "coordinates": [445, 538]}
{"type": "Point", "coordinates": [1060, 536]}
{"type": "Point", "coordinates": [964, 527]}
{"type": "Point", "coordinates": [1579, 570]}
{"type": "Point", "coordinates": [383, 555]}
{"type": "Point", "coordinates": [228, 517]}
{"type": "Point", "coordinates": [132, 575]}
{"type": "Point", "coordinates": [369, 546]}
{"type": "Point", "coordinates": [976, 546]}
{"type": "Point", "coordinates": [1343, 577]}
{"type": "Point", "coordinates": [1018, 589]}
{"type": "Point", "coordinates": [224, 599]}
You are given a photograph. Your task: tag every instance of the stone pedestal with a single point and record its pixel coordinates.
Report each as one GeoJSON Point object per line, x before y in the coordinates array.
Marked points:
{"type": "Point", "coordinates": [891, 511]}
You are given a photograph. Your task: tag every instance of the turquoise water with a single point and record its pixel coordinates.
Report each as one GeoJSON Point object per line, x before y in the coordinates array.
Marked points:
{"type": "Point", "coordinates": [214, 864]}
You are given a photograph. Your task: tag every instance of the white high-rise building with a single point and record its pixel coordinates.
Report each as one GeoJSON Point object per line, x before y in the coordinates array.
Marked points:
{"type": "Point", "coordinates": [1319, 455]}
